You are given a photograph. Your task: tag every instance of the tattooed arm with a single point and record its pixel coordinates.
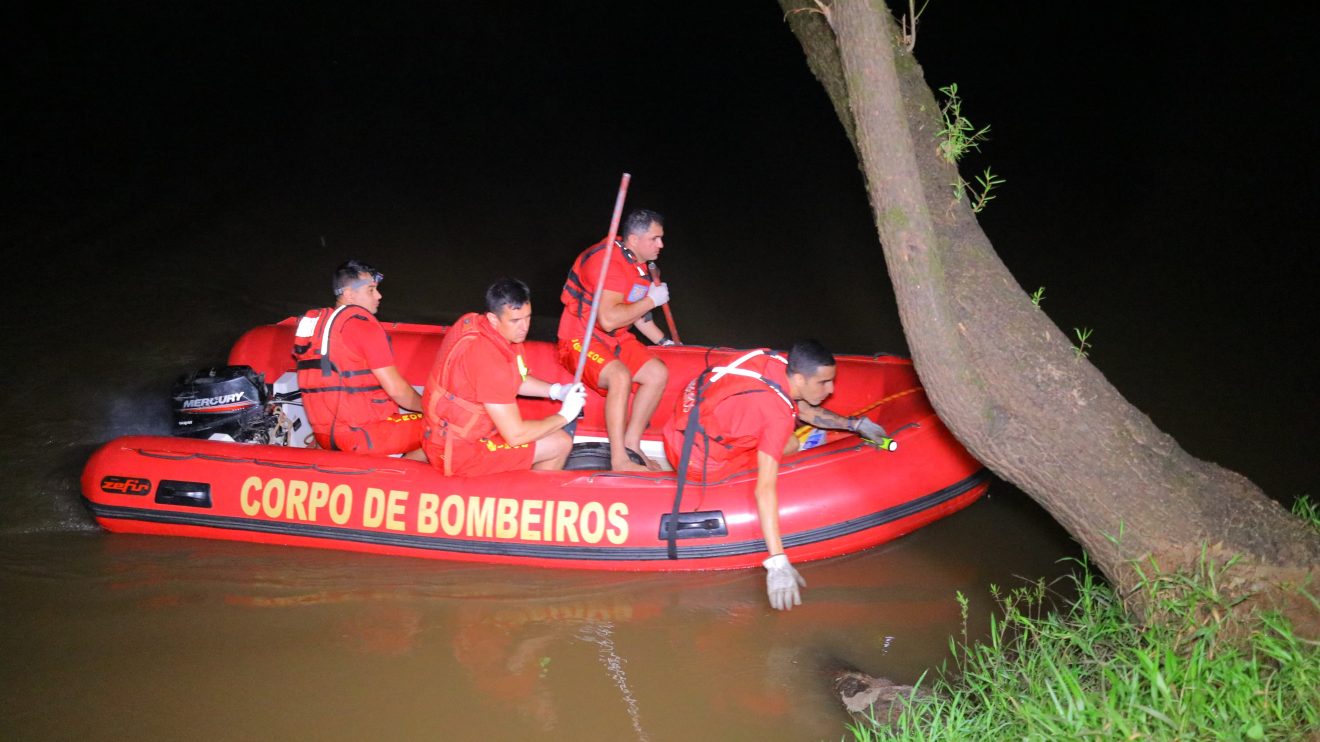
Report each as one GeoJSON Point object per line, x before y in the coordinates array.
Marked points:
{"type": "Point", "coordinates": [819, 417]}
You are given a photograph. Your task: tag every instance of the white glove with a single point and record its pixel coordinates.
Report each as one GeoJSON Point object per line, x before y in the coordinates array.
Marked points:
{"type": "Point", "coordinates": [666, 341]}
{"type": "Point", "coordinates": [869, 430]}
{"type": "Point", "coordinates": [559, 392]}
{"type": "Point", "coordinates": [659, 293]}
{"type": "Point", "coordinates": [574, 400]}
{"type": "Point", "coordinates": [782, 583]}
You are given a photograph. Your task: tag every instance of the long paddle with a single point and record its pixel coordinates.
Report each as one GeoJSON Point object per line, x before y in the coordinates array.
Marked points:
{"type": "Point", "coordinates": [600, 280]}
{"type": "Point", "coordinates": [669, 316]}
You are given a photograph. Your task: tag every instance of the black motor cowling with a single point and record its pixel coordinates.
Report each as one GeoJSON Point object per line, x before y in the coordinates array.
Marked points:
{"type": "Point", "coordinates": [223, 400]}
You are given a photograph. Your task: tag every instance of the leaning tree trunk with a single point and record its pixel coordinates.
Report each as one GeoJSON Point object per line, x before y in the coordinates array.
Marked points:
{"type": "Point", "coordinates": [1001, 375]}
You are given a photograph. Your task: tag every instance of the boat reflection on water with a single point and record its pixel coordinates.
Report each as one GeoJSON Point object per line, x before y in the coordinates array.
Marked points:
{"type": "Point", "coordinates": [303, 640]}
{"type": "Point", "coordinates": [546, 646]}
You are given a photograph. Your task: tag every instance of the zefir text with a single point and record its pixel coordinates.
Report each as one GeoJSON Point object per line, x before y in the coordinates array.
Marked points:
{"type": "Point", "coordinates": [459, 516]}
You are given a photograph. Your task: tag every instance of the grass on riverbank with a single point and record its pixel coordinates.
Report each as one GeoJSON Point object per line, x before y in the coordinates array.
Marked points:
{"type": "Point", "coordinates": [1088, 672]}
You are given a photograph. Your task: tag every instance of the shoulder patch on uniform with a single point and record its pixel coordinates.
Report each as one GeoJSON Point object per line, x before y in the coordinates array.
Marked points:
{"type": "Point", "coordinates": [636, 293]}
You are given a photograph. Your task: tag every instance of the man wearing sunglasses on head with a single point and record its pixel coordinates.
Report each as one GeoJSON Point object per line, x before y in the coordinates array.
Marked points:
{"type": "Point", "coordinates": [351, 389]}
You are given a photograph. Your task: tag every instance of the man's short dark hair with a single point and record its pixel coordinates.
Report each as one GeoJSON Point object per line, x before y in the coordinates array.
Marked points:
{"type": "Point", "coordinates": [506, 292]}
{"type": "Point", "coordinates": [348, 273]}
{"type": "Point", "coordinates": [640, 220]}
{"type": "Point", "coordinates": [807, 356]}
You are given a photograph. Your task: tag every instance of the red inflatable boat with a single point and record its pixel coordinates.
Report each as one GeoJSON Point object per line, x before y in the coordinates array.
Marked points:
{"type": "Point", "coordinates": [840, 496]}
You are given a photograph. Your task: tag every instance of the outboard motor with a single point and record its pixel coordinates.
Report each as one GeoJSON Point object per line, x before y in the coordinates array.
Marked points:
{"type": "Point", "coordinates": [225, 403]}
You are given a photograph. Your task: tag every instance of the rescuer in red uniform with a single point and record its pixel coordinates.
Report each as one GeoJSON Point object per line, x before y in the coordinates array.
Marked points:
{"type": "Point", "coordinates": [745, 412]}
{"type": "Point", "coordinates": [473, 425]}
{"type": "Point", "coordinates": [351, 390]}
{"type": "Point", "coordinates": [616, 359]}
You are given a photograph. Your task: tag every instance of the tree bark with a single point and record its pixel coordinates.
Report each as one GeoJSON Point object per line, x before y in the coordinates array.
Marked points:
{"type": "Point", "coordinates": [1000, 374]}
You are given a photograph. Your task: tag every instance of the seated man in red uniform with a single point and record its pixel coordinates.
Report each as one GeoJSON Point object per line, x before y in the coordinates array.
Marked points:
{"type": "Point", "coordinates": [473, 425]}
{"type": "Point", "coordinates": [616, 359]}
{"type": "Point", "coordinates": [351, 389]}
{"type": "Point", "coordinates": [744, 411]}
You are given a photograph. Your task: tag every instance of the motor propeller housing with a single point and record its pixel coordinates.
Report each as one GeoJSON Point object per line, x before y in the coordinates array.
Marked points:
{"type": "Point", "coordinates": [224, 402]}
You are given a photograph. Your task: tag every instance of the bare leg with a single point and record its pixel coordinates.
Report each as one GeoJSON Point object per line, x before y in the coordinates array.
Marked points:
{"type": "Point", "coordinates": [617, 382]}
{"type": "Point", "coordinates": [651, 379]}
{"type": "Point", "coordinates": [552, 451]}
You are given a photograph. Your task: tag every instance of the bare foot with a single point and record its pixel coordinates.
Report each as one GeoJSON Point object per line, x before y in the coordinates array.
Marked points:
{"type": "Point", "coordinates": [635, 452]}
{"type": "Point", "coordinates": [627, 465]}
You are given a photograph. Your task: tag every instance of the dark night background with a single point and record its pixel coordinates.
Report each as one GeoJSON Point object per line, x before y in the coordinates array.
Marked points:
{"type": "Point", "coordinates": [191, 169]}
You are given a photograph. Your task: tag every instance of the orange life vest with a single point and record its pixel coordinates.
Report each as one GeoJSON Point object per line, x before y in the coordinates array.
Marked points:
{"type": "Point", "coordinates": [338, 389]}
{"type": "Point", "coordinates": [693, 411]}
{"type": "Point", "coordinates": [744, 375]}
{"type": "Point", "coordinates": [449, 416]}
{"type": "Point", "coordinates": [577, 298]}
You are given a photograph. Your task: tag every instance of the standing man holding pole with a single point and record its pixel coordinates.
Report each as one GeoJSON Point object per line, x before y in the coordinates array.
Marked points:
{"type": "Point", "coordinates": [611, 283]}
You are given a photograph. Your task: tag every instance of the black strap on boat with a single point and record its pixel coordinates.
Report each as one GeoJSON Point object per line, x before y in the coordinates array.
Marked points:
{"type": "Point", "coordinates": [689, 438]}
{"type": "Point", "coordinates": [684, 458]}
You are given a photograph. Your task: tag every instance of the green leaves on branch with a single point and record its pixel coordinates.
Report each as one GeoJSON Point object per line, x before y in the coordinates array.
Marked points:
{"type": "Point", "coordinates": [958, 137]}
{"type": "Point", "coordinates": [1083, 334]}
{"type": "Point", "coordinates": [986, 181]}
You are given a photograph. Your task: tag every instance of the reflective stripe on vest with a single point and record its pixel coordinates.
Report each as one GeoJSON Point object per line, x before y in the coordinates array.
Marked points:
{"type": "Point", "coordinates": [336, 395]}
{"type": "Point", "coordinates": [736, 369]}
{"type": "Point", "coordinates": [714, 393]}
